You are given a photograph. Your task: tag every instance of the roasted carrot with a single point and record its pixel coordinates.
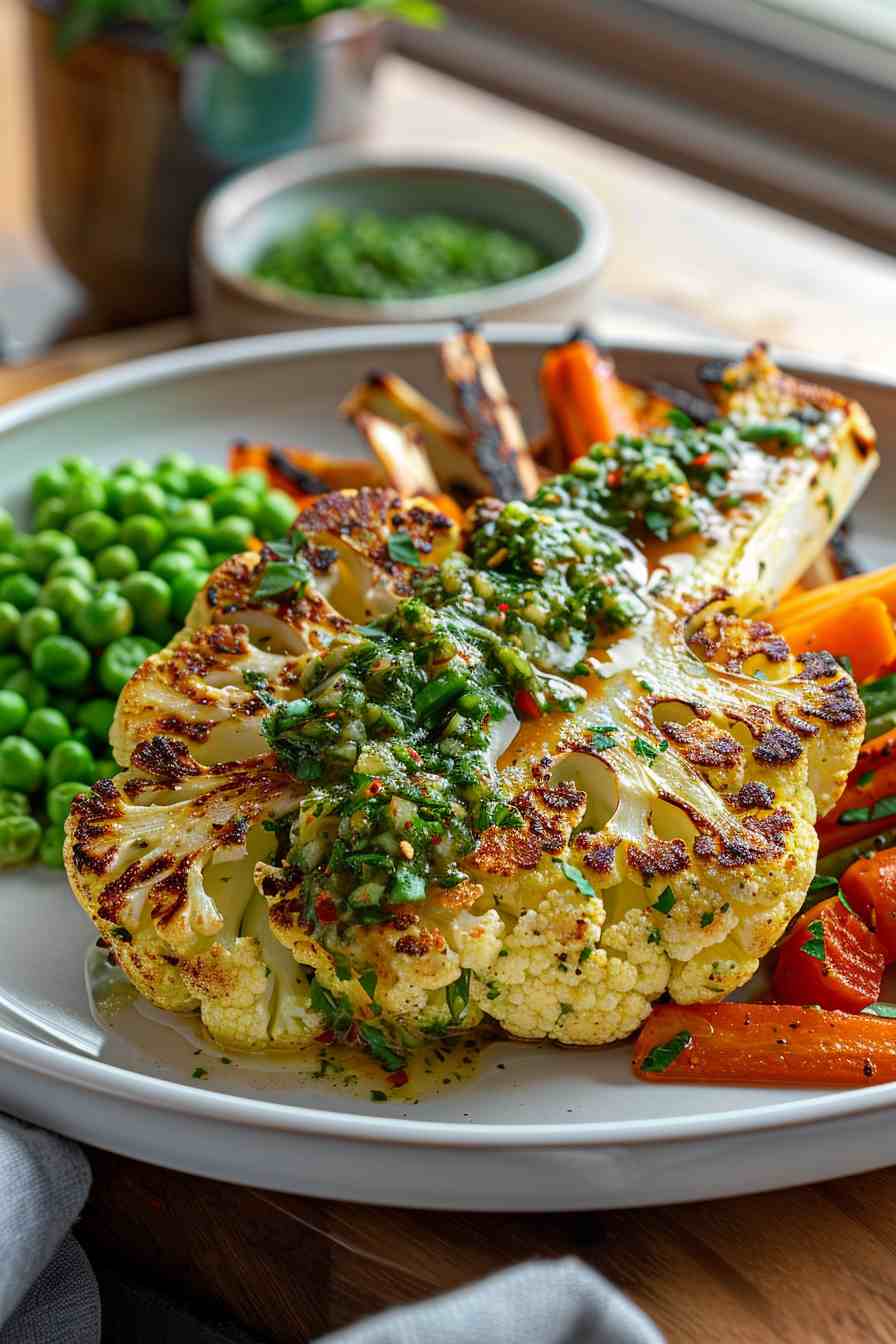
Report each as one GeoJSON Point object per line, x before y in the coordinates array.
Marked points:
{"type": "Point", "coordinates": [870, 887]}
{"type": "Point", "coordinates": [866, 806]}
{"type": "Point", "coordinates": [584, 397]}
{"type": "Point", "coordinates": [830, 958]}
{"type": "Point", "coordinates": [304, 474]}
{"type": "Point", "coordinates": [755, 1043]}
{"type": "Point", "coordinates": [862, 630]}
{"type": "Point", "coordinates": [836, 596]}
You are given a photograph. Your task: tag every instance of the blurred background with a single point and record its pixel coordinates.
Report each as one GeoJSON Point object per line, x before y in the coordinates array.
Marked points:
{"type": "Point", "coordinates": [737, 156]}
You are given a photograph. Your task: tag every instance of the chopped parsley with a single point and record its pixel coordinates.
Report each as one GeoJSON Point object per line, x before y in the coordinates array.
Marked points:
{"type": "Point", "coordinates": [865, 779]}
{"type": "Point", "coordinates": [654, 936]}
{"type": "Point", "coordinates": [285, 569]}
{"type": "Point", "coordinates": [121, 933]}
{"type": "Point", "coordinates": [707, 918]}
{"type": "Point", "coordinates": [457, 996]}
{"type": "Point", "coordinates": [884, 807]}
{"type": "Point", "coordinates": [378, 1096]}
{"type": "Point", "coordinates": [814, 946]}
{"type": "Point", "coordinates": [603, 736]}
{"type": "Point", "coordinates": [821, 882]}
{"type": "Point", "coordinates": [402, 549]}
{"type": "Point", "coordinates": [665, 901]}
{"type": "Point", "coordinates": [661, 1056]}
{"type": "Point", "coordinates": [576, 877]}
{"type": "Point", "coordinates": [646, 750]}
{"type": "Point", "coordinates": [200, 1073]}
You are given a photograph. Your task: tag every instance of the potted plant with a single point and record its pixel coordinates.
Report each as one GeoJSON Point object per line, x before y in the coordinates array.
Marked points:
{"type": "Point", "coordinates": [141, 106]}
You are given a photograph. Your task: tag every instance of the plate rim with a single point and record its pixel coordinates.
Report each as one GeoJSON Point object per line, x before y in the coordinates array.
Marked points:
{"type": "Point", "coordinates": [95, 1076]}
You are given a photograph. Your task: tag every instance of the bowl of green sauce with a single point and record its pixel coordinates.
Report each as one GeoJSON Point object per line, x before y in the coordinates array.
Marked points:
{"type": "Point", "coordinates": [334, 237]}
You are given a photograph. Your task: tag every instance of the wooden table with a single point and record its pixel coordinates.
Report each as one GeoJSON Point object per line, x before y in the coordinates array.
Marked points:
{"type": "Point", "coordinates": [809, 1265]}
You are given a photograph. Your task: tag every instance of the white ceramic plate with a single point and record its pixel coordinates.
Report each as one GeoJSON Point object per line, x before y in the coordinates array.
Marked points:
{"type": "Point", "coordinates": [539, 1128]}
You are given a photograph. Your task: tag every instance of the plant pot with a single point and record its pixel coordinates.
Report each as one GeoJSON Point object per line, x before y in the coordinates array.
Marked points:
{"type": "Point", "coordinates": [128, 143]}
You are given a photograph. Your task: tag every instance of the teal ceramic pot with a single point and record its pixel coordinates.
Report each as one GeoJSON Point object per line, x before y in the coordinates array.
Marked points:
{"type": "Point", "coordinates": [128, 143]}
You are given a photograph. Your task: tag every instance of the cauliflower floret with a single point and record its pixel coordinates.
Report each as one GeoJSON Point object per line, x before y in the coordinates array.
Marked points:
{"type": "Point", "coordinates": [557, 977]}
{"type": "Point", "coordinates": [477, 940]}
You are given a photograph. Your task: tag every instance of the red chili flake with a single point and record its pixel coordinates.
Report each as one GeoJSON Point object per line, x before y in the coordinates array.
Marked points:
{"type": "Point", "coordinates": [701, 460]}
{"type": "Point", "coordinates": [398, 1078]}
{"type": "Point", "coordinates": [326, 910]}
{"type": "Point", "coordinates": [614, 478]}
{"type": "Point", "coordinates": [436, 839]}
{"type": "Point", "coordinates": [414, 755]}
{"type": "Point", "coordinates": [503, 606]}
{"type": "Point", "coordinates": [374, 787]}
{"type": "Point", "coordinates": [524, 703]}
{"type": "Point", "coordinates": [326, 1037]}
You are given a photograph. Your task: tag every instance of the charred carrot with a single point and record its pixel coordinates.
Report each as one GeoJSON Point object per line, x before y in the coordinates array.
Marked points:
{"type": "Point", "coordinates": [584, 397]}
{"type": "Point", "coordinates": [862, 630]}
{"type": "Point", "coordinates": [869, 885]}
{"type": "Point", "coordinates": [830, 958]}
{"type": "Point", "coordinates": [758, 1043]}
{"type": "Point", "coordinates": [304, 474]}
{"type": "Point", "coordinates": [836, 596]}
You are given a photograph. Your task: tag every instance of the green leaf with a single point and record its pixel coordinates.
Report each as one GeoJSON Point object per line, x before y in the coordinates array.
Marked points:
{"type": "Point", "coordinates": [707, 918]}
{"type": "Point", "coordinates": [200, 1073]}
{"type": "Point", "coordinates": [657, 523]}
{"type": "Point", "coordinates": [884, 807]}
{"type": "Point", "coordinates": [457, 996]}
{"type": "Point", "coordinates": [246, 46]}
{"type": "Point", "coordinates": [381, 1047]}
{"type": "Point", "coordinates": [845, 903]}
{"type": "Point", "coordinates": [821, 882]}
{"type": "Point", "coordinates": [603, 736]}
{"type": "Point", "coordinates": [121, 933]}
{"type": "Point", "coordinates": [864, 780]}
{"type": "Point", "coordinates": [576, 877]}
{"type": "Point", "coordinates": [376, 1095]}
{"type": "Point", "coordinates": [646, 750]}
{"type": "Point", "coordinates": [814, 946]}
{"type": "Point", "coordinates": [680, 419]}
{"type": "Point", "coordinates": [661, 1056]}
{"type": "Point", "coordinates": [402, 550]}
{"type": "Point", "coordinates": [880, 1010]}
{"type": "Point", "coordinates": [665, 901]}
{"type": "Point", "coordinates": [407, 886]}
{"type": "Point", "coordinates": [367, 981]}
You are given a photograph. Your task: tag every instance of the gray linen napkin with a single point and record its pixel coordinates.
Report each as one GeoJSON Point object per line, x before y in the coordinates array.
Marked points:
{"type": "Point", "coordinates": [543, 1302]}
{"type": "Point", "coordinates": [48, 1294]}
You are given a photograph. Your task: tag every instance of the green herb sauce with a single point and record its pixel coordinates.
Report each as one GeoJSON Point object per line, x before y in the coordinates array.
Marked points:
{"type": "Point", "coordinates": [378, 257]}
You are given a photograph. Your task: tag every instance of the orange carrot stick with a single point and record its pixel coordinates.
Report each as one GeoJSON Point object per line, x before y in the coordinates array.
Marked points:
{"type": "Point", "coordinates": [831, 596]}
{"type": "Point", "coordinates": [869, 885]}
{"type": "Point", "coordinates": [863, 630]}
{"type": "Point", "coordinates": [866, 806]}
{"type": "Point", "coordinates": [584, 397]}
{"type": "Point", "coordinates": [756, 1043]}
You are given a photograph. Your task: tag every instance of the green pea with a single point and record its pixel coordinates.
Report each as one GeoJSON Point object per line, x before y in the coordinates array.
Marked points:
{"type": "Point", "coordinates": [61, 661]}
{"type": "Point", "coordinates": [67, 596]}
{"type": "Point", "coordinates": [192, 518]}
{"type": "Point", "coordinates": [51, 850]}
{"type": "Point", "coordinates": [10, 664]}
{"type": "Point", "coordinates": [234, 500]}
{"type": "Point", "coordinates": [60, 797]}
{"type": "Point", "coordinates": [120, 492]}
{"type": "Point", "coordinates": [50, 513]}
{"type": "Point", "coordinates": [45, 547]}
{"type": "Point", "coordinates": [121, 660]}
{"type": "Point", "coordinates": [176, 462]}
{"type": "Point", "coordinates": [146, 497]}
{"type": "Point", "coordinates": [149, 596]}
{"type": "Point", "coordinates": [48, 483]}
{"type": "Point", "coordinates": [183, 591]}
{"type": "Point", "coordinates": [10, 564]}
{"type": "Point", "coordinates": [27, 685]}
{"type": "Point", "coordinates": [193, 547]}
{"type": "Point", "coordinates": [35, 625]}
{"type": "Point", "coordinates": [171, 563]}
{"type": "Point", "coordinates": [13, 804]}
{"type": "Point", "coordinates": [107, 616]}
{"type": "Point", "coordinates": [232, 534]}
{"type": "Point", "coordinates": [21, 765]}
{"type": "Point", "coordinates": [46, 727]}
{"type": "Point", "coordinates": [13, 712]}
{"type": "Point", "coordinates": [134, 467]}
{"type": "Point", "coordinates": [78, 467]}
{"type": "Point", "coordinates": [9, 623]}
{"type": "Point", "coordinates": [206, 478]}
{"type": "Point", "coordinates": [19, 839]}
{"type": "Point", "coordinates": [173, 482]}
{"type": "Point", "coordinates": [68, 761]}
{"type": "Point", "coordinates": [72, 567]}
{"type": "Point", "coordinates": [83, 495]}
{"type": "Point", "coordinates": [144, 534]}
{"type": "Point", "coordinates": [276, 514]}
{"type": "Point", "coordinates": [7, 528]}
{"type": "Point", "coordinates": [116, 562]}
{"type": "Point", "coordinates": [253, 478]}
{"type": "Point", "coordinates": [92, 531]}
{"type": "Point", "coordinates": [19, 589]}
{"type": "Point", "coordinates": [96, 716]}
{"type": "Point", "coordinates": [218, 558]}
{"type": "Point", "coordinates": [106, 767]}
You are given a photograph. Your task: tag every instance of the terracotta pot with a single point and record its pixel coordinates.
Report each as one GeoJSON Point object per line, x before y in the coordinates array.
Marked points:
{"type": "Point", "coordinates": [128, 143]}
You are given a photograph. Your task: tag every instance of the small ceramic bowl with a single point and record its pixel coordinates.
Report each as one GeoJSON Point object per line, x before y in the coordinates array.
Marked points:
{"type": "Point", "coordinates": [252, 210]}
